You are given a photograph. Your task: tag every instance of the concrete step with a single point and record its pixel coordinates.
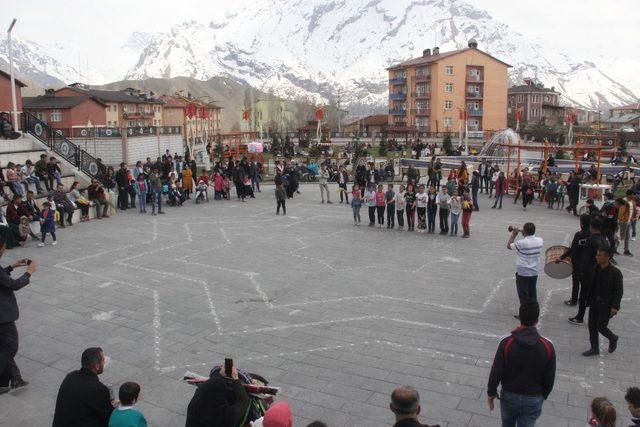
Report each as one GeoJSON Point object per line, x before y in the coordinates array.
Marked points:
{"type": "Point", "coordinates": [20, 157]}
{"type": "Point", "coordinates": [20, 144]}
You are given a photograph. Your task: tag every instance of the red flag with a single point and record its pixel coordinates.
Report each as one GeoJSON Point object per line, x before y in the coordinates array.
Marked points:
{"type": "Point", "coordinates": [319, 113]}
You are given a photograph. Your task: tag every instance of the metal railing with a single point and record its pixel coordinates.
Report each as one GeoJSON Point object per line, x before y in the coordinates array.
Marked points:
{"type": "Point", "coordinates": [153, 130]}
{"type": "Point", "coordinates": [397, 96]}
{"type": "Point", "coordinates": [421, 111]}
{"type": "Point", "coordinates": [398, 80]}
{"type": "Point", "coordinates": [397, 112]}
{"type": "Point", "coordinates": [64, 148]}
{"type": "Point", "coordinates": [474, 78]}
{"type": "Point", "coordinates": [422, 77]}
{"type": "Point", "coordinates": [475, 111]}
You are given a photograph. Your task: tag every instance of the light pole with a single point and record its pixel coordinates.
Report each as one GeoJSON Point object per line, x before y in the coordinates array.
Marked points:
{"type": "Point", "coordinates": [13, 79]}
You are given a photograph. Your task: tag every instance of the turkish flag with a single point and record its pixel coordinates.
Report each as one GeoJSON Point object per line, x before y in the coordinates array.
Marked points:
{"type": "Point", "coordinates": [319, 113]}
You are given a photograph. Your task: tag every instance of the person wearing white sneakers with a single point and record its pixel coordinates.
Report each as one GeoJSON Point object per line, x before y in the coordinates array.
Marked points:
{"type": "Point", "coordinates": [47, 224]}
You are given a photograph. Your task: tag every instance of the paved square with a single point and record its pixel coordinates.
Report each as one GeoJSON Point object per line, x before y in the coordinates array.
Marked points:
{"type": "Point", "coordinates": [334, 314]}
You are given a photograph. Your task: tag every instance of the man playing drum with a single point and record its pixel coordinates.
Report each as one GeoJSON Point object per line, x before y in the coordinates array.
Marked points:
{"type": "Point", "coordinates": [580, 258]}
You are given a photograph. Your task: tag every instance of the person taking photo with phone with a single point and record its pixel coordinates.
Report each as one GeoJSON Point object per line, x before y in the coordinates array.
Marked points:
{"type": "Point", "coordinates": [10, 377]}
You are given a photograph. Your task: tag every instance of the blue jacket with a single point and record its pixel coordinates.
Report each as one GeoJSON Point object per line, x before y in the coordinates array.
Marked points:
{"type": "Point", "coordinates": [47, 222]}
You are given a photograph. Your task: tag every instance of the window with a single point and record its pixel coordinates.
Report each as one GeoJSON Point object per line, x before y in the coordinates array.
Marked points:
{"type": "Point", "coordinates": [115, 123]}
{"type": "Point", "coordinates": [41, 116]}
{"type": "Point", "coordinates": [114, 108]}
{"type": "Point", "coordinates": [56, 116]}
{"type": "Point", "coordinates": [108, 122]}
{"type": "Point", "coordinates": [536, 98]}
{"type": "Point", "coordinates": [448, 87]}
{"type": "Point", "coordinates": [448, 104]}
{"type": "Point", "coordinates": [448, 70]}
{"type": "Point", "coordinates": [447, 122]}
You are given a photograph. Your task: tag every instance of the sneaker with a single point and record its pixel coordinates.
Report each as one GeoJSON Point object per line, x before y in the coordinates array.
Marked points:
{"type": "Point", "coordinates": [613, 344]}
{"type": "Point", "coordinates": [55, 242]}
{"type": "Point", "coordinates": [329, 202]}
{"type": "Point", "coordinates": [591, 352]}
{"type": "Point", "coordinates": [41, 245]}
{"type": "Point", "coordinates": [627, 253]}
{"type": "Point", "coordinates": [4, 390]}
{"type": "Point", "coordinates": [576, 321]}
{"type": "Point", "coordinates": [19, 383]}
{"type": "Point", "coordinates": [633, 239]}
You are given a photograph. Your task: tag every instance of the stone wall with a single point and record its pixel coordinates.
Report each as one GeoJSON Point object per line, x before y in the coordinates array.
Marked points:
{"type": "Point", "coordinates": [113, 151]}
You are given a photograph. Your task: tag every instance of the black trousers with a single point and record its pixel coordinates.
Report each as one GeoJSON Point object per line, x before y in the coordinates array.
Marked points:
{"type": "Point", "coordinates": [391, 216]}
{"type": "Point", "coordinates": [599, 315]}
{"type": "Point", "coordinates": [123, 198]}
{"type": "Point", "coordinates": [380, 214]}
{"type": "Point", "coordinates": [284, 207]}
{"type": "Point", "coordinates": [372, 214]}
{"type": "Point", "coordinates": [444, 221]}
{"type": "Point", "coordinates": [8, 349]}
{"type": "Point", "coordinates": [400, 215]}
{"type": "Point", "coordinates": [344, 193]}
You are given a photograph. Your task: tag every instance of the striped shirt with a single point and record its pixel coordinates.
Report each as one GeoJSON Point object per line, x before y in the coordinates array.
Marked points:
{"type": "Point", "coordinates": [528, 250]}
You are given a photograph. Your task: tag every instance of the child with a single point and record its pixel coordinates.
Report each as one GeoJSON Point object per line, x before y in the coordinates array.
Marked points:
{"type": "Point", "coordinates": [421, 203]}
{"type": "Point", "coordinates": [467, 209]}
{"type": "Point", "coordinates": [455, 214]}
{"type": "Point", "coordinates": [47, 224]}
{"type": "Point", "coordinates": [391, 206]}
{"type": "Point", "coordinates": [560, 192]}
{"type": "Point", "coordinates": [356, 203]}
{"type": "Point", "coordinates": [126, 415]}
{"type": "Point", "coordinates": [633, 401]}
{"type": "Point", "coordinates": [140, 187]}
{"type": "Point", "coordinates": [401, 202]}
{"type": "Point", "coordinates": [201, 192]}
{"type": "Point", "coordinates": [370, 199]}
{"type": "Point", "coordinates": [381, 200]}
{"type": "Point", "coordinates": [24, 229]}
{"type": "Point", "coordinates": [603, 413]}
{"type": "Point", "coordinates": [226, 187]}
{"type": "Point", "coordinates": [281, 199]}
{"type": "Point", "coordinates": [432, 210]}
{"type": "Point", "coordinates": [218, 186]}
{"type": "Point", "coordinates": [410, 198]}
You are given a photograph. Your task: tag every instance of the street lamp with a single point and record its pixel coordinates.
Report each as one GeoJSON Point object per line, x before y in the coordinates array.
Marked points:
{"type": "Point", "coordinates": [13, 79]}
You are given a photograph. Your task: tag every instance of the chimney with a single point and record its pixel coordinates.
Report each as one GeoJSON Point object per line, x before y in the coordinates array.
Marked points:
{"type": "Point", "coordinates": [426, 52]}
{"type": "Point", "coordinates": [436, 50]}
{"type": "Point", "coordinates": [528, 81]}
{"type": "Point", "coordinates": [48, 92]}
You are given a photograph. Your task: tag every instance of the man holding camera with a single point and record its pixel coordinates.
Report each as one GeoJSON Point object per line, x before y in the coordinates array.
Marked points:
{"type": "Point", "coordinates": [528, 250]}
{"type": "Point", "coordinates": [10, 377]}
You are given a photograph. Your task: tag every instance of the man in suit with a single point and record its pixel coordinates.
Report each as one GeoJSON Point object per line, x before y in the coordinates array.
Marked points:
{"type": "Point", "coordinates": [10, 377]}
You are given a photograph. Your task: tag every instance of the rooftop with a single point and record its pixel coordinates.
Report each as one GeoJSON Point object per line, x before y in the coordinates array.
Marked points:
{"type": "Point", "coordinates": [625, 118]}
{"type": "Point", "coordinates": [531, 88]}
{"type": "Point", "coordinates": [431, 58]}
{"type": "Point", "coordinates": [375, 120]}
{"type": "Point", "coordinates": [631, 107]}
{"type": "Point", "coordinates": [111, 95]}
{"type": "Point", "coordinates": [48, 101]}
{"type": "Point", "coordinates": [8, 76]}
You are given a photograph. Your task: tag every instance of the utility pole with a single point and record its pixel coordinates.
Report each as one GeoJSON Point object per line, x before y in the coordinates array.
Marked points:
{"type": "Point", "coordinates": [13, 79]}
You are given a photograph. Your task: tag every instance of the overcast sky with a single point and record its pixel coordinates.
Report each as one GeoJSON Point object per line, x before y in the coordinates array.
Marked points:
{"type": "Point", "coordinates": [585, 28]}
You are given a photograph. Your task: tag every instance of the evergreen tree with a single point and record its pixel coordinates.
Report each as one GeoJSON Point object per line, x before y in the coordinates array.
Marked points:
{"type": "Point", "coordinates": [218, 150]}
{"type": "Point", "coordinates": [447, 145]}
{"type": "Point", "coordinates": [383, 149]}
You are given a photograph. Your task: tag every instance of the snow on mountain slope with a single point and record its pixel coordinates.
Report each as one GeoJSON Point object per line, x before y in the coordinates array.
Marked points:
{"type": "Point", "coordinates": [325, 49]}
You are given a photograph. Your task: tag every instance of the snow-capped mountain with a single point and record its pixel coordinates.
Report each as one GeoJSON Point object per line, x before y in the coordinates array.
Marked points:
{"type": "Point", "coordinates": [329, 49]}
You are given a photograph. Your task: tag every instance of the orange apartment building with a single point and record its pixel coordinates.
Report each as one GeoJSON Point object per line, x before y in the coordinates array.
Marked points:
{"type": "Point", "coordinates": [432, 93]}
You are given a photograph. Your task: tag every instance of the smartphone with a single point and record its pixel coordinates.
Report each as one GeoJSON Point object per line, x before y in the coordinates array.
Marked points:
{"type": "Point", "coordinates": [228, 366]}
{"type": "Point", "coordinates": [27, 261]}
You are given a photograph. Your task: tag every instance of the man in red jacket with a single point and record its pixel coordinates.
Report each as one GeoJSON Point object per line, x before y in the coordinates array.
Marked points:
{"type": "Point", "coordinates": [525, 365]}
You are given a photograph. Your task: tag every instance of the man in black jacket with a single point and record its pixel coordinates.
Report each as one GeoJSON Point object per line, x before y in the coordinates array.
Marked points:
{"type": "Point", "coordinates": [218, 402]}
{"type": "Point", "coordinates": [604, 301]}
{"type": "Point", "coordinates": [525, 365]}
{"type": "Point", "coordinates": [123, 182]}
{"type": "Point", "coordinates": [9, 373]}
{"type": "Point", "coordinates": [405, 404]}
{"type": "Point", "coordinates": [579, 259]}
{"type": "Point", "coordinates": [83, 401]}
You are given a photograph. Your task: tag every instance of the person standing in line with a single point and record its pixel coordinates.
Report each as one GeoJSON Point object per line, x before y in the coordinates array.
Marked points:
{"type": "Point", "coordinates": [605, 298]}
{"type": "Point", "coordinates": [323, 178]}
{"type": "Point", "coordinates": [624, 221]}
{"type": "Point", "coordinates": [356, 203]}
{"type": "Point", "coordinates": [391, 206]}
{"type": "Point", "coordinates": [343, 180]}
{"type": "Point", "coordinates": [525, 366]}
{"type": "Point", "coordinates": [482, 172]}
{"type": "Point", "coordinates": [573, 189]}
{"type": "Point", "coordinates": [10, 376]}
{"type": "Point", "coordinates": [140, 187]}
{"type": "Point", "coordinates": [421, 207]}
{"type": "Point", "coordinates": [456, 209]}
{"type": "Point", "coordinates": [370, 200]}
{"type": "Point", "coordinates": [155, 183]}
{"type": "Point", "coordinates": [443, 201]}
{"type": "Point", "coordinates": [281, 199]}
{"type": "Point", "coordinates": [467, 210]}
{"type": "Point", "coordinates": [401, 203]}
{"type": "Point", "coordinates": [528, 250]}
{"type": "Point", "coordinates": [476, 181]}
{"type": "Point", "coordinates": [380, 204]}
{"type": "Point", "coordinates": [410, 198]}
{"type": "Point", "coordinates": [122, 181]}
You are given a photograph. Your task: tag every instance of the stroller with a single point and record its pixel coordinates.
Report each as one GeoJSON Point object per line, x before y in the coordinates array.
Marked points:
{"type": "Point", "coordinates": [260, 393]}
{"type": "Point", "coordinates": [201, 192]}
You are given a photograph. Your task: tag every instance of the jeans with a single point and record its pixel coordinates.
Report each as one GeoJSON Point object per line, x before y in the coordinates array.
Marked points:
{"type": "Point", "coordinates": [599, 316]}
{"type": "Point", "coordinates": [498, 201]}
{"type": "Point", "coordinates": [400, 215]}
{"type": "Point", "coordinates": [101, 207]}
{"type": "Point", "coordinates": [356, 213]}
{"type": "Point", "coordinates": [519, 410]}
{"type": "Point", "coordinates": [431, 220]}
{"type": "Point", "coordinates": [142, 202]}
{"type": "Point", "coordinates": [157, 200]}
{"type": "Point", "coordinates": [444, 221]}
{"type": "Point", "coordinates": [34, 180]}
{"type": "Point", "coordinates": [391, 216]}
{"type": "Point", "coordinates": [551, 198]}
{"type": "Point", "coordinates": [454, 223]}
{"type": "Point", "coordinates": [255, 183]}
{"type": "Point", "coordinates": [526, 286]}
{"type": "Point", "coordinates": [8, 349]}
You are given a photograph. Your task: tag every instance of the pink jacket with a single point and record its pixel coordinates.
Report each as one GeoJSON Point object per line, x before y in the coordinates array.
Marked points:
{"type": "Point", "coordinates": [218, 183]}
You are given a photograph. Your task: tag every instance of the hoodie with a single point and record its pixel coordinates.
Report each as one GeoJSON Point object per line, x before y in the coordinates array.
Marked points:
{"type": "Point", "coordinates": [525, 364]}
{"type": "Point", "coordinates": [278, 415]}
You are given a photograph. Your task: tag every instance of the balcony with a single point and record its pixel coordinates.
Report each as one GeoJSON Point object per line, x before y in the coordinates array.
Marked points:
{"type": "Point", "coordinates": [475, 112]}
{"type": "Point", "coordinates": [422, 95]}
{"type": "Point", "coordinates": [422, 78]}
{"type": "Point", "coordinates": [421, 111]}
{"type": "Point", "coordinates": [400, 124]}
{"type": "Point", "coordinates": [474, 95]}
{"type": "Point", "coordinates": [398, 96]}
{"type": "Point", "coordinates": [137, 114]}
{"type": "Point", "coordinates": [398, 81]}
{"type": "Point", "coordinates": [397, 112]}
{"type": "Point", "coordinates": [475, 79]}
{"type": "Point", "coordinates": [422, 128]}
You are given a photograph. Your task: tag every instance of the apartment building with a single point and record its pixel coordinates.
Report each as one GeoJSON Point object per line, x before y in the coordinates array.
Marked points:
{"type": "Point", "coordinates": [6, 101]}
{"type": "Point", "coordinates": [67, 112]}
{"type": "Point", "coordinates": [435, 92]}
{"type": "Point", "coordinates": [536, 103]}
